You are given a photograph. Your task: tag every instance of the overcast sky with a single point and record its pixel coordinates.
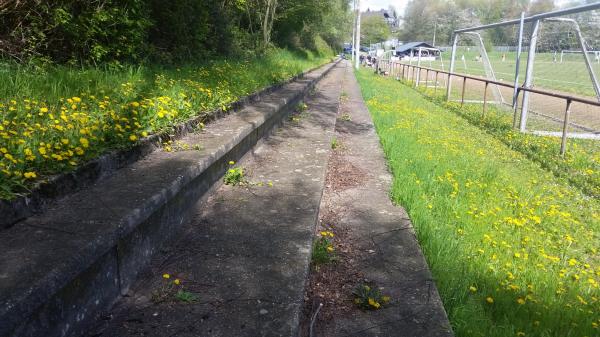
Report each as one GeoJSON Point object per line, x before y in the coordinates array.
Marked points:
{"type": "Point", "coordinates": [400, 5]}
{"type": "Point", "coordinates": [379, 4]}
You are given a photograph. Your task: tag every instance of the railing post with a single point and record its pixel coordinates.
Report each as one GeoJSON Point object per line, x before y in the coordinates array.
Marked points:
{"type": "Point", "coordinates": [436, 81]}
{"type": "Point", "coordinates": [402, 76]}
{"type": "Point", "coordinates": [462, 97]}
{"type": "Point", "coordinates": [426, 78]}
{"type": "Point", "coordinates": [484, 99]}
{"type": "Point", "coordinates": [563, 143]}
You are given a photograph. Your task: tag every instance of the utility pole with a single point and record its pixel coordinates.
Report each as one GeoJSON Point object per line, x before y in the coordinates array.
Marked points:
{"type": "Point", "coordinates": [434, 29]}
{"type": "Point", "coordinates": [357, 45]}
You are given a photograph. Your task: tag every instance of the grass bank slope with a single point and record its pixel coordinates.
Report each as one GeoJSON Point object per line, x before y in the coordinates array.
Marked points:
{"type": "Point", "coordinates": [513, 248]}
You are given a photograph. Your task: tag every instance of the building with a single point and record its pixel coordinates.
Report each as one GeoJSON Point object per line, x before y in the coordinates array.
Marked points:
{"type": "Point", "coordinates": [410, 51]}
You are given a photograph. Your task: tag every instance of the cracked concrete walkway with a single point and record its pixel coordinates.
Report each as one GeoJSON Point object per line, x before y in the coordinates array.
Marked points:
{"type": "Point", "coordinates": [246, 252]}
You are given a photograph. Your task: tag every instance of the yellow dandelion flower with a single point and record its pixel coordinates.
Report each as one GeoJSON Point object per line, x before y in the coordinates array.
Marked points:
{"type": "Point", "coordinates": [176, 281]}
{"type": "Point", "coordinates": [489, 299]}
{"type": "Point", "coordinates": [133, 138]}
{"type": "Point", "coordinates": [472, 289]}
{"type": "Point", "coordinates": [166, 276]}
{"type": "Point", "coordinates": [30, 175]}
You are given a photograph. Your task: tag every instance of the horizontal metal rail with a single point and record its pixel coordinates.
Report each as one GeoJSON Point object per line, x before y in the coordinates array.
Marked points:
{"type": "Point", "coordinates": [412, 72]}
{"type": "Point", "coordinates": [562, 12]}
{"type": "Point", "coordinates": [503, 84]}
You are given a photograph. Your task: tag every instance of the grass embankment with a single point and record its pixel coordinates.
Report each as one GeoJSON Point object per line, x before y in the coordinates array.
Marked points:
{"type": "Point", "coordinates": [580, 165]}
{"type": "Point", "coordinates": [54, 119]}
{"type": "Point", "coordinates": [513, 248]}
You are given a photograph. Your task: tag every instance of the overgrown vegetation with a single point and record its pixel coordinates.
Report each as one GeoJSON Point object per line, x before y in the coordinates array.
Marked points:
{"type": "Point", "coordinates": [580, 165]}
{"type": "Point", "coordinates": [53, 120]}
{"type": "Point", "coordinates": [78, 78]}
{"type": "Point", "coordinates": [512, 247]}
{"type": "Point", "coordinates": [123, 31]}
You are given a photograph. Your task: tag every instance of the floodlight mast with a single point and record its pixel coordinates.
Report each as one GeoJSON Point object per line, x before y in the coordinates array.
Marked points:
{"type": "Point", "coordinates": [357, 45]}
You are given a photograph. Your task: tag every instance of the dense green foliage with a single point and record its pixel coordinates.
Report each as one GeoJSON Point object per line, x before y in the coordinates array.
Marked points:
{"type": "Point", "coordinates": [374, 29]}
{"type": "Point", "coordinates": [513, 249]}
{"type": "Point", "coordinates": [117, 31]}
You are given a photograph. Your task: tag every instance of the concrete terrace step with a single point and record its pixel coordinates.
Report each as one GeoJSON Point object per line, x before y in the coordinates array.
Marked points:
{"type": "Point", "coordinates": [60, 268]}
{"type": "Point", "coordinates": [247, 250]}
{"type": "Point", "coordinates": [383, 244]}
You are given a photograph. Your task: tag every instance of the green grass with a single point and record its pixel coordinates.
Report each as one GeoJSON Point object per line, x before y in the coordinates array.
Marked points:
{"type": "Point", "coordinates": [570, 76]}
{"type": "Point", "coordinates": [580, 165]}
{"type": "Point", "coordinates": [56, 118]}
{"type": "Point", "coordinates": [513, 248]}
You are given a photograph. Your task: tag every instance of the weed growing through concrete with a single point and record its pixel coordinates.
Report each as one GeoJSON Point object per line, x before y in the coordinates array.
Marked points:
{"type": "Point", "coordinates": [334, 144]}
{"type": "Point", "coordinates": [346, 117]}
{"type": "Point", "coordinates": [234, 175]}
{"type": "Point", "coordinates": [301, 107]}
{"type": "Point", "coordinates": [323, 251]}
{"type": "Point", "coordinates": [176, 146]}
{"type": "Point", "coordinates": [172, 289]}
{"type": "Point", "coordinates": [186, 296]}
{"type": "Point", "coordinates": [368, 296]}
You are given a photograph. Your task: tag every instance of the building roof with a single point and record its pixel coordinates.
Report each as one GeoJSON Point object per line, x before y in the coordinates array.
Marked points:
{"type": "Point", "coordinates": [413, 45]}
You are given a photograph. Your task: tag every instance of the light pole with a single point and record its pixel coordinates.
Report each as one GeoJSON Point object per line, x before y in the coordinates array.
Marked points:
{"type": "Point", "coordinates": [357, 44]}
{"type": "Point", "coordinates": [353, 30]}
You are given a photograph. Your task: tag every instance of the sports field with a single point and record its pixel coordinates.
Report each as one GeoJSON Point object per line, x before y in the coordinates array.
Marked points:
{"type": "Point", "coordinates": [569, 76]}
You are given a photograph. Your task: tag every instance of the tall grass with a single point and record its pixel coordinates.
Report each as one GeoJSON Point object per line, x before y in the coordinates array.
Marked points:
{"type": "Point", "coordinates": [52, 119]}
{"type": "Point", "coordinates": [512, 247]}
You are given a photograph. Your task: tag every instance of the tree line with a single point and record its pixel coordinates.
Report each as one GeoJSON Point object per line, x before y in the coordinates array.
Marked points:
{"type": "Point", "coordinates": [114, 31]}
{"type": "Point", "coordinates": [424, 17]}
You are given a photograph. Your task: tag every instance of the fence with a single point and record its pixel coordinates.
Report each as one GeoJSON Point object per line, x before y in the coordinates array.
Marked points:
{"type": "Point", "coordinates": [442, 79]}
{"type": "Point", "coordinates": [487, 71]}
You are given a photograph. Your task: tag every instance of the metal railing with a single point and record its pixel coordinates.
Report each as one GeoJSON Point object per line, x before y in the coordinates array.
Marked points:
{"type": "Point", "coordinates": [412, 73]}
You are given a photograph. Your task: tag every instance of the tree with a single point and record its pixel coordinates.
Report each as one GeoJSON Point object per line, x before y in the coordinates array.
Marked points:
{"type": "Point", "coordinates": [374, 29]}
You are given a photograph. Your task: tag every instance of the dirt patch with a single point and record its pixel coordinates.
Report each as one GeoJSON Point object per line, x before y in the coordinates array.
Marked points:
{"type": "Point", "coordinates": [332, 284]}
{"type": "Point", "coordinates": [341, 173]}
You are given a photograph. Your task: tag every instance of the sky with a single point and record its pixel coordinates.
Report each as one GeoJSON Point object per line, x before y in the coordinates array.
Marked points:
{"type": "Point", "coordinates": [400, 5]}
{"type": "Point", "coordinates": [379, 4]}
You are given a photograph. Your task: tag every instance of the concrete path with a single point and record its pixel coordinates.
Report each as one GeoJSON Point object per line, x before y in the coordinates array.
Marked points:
{"type": "Point", "coordinates": [242, 262]}
{"type": "Point", "coordinates": [375, 239]}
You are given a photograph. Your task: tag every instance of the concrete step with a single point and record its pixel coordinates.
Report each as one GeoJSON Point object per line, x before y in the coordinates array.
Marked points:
{"type": "Point", "coordinates": [375, 240]}
{"type": "Point", "coordinates": [60, 268]}
{"type": "Point", "coordinates": [245, 254]}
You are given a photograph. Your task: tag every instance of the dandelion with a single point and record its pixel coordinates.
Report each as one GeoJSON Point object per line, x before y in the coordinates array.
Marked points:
{"type": "Point", "coordinates": [521, 300]}
{"type": "Point", "coordinates": [166, 276]}
{"type": "Point", "coordinates": [489, 299]}
{"type": "Point", "coordinates": [30, 175]}
{"type": "Point", "coordinates": [374, 303]}
{"type": "Point", "coordinates": [133, 138]}
{"type": "Point", "coordinates": [176, 281]}
{"type": "Point", "coordinates": [231, 162]}
{"type": "Point", "coordinates": [473, 289]}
